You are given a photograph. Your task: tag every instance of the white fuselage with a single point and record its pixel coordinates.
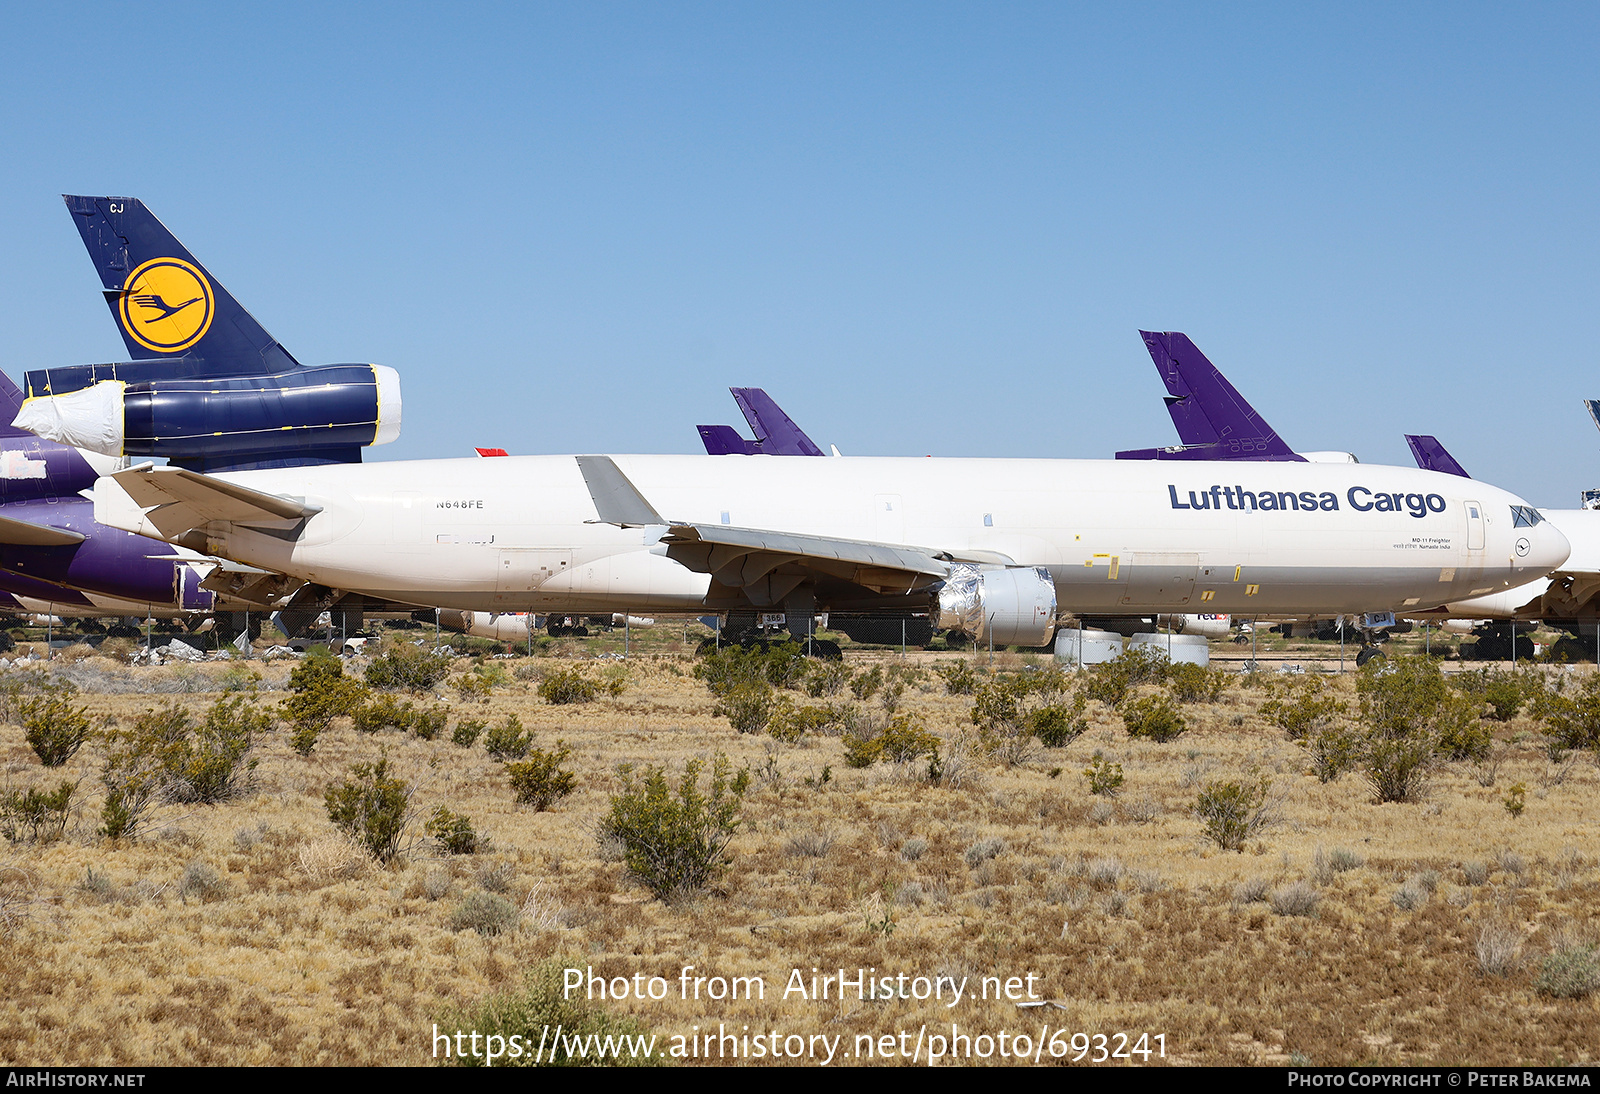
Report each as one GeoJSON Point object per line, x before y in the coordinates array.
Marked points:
{"type": "Point", "coordinates": [1118, 537]}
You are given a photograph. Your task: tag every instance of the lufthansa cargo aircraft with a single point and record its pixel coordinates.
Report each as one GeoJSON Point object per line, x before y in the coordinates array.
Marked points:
{"type": "Point", "coordinates": [995, 547]}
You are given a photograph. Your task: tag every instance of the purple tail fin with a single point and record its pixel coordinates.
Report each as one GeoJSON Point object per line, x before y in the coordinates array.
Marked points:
{"type": "Point", "coordinates": [1190, 421]}
{"type": "Point", "coordinates": [1431, 456]}
{"type": "Point", "coordinates": [1203, 404]}
{"type": "Point", "coordinates": [10, 403]}
{"type": "Point", "coordinates": [775, 431]}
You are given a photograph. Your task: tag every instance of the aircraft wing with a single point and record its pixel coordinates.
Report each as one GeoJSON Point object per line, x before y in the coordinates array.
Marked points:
{"type": "Point", "coordinates": [764, 565]}
{"type": "Point", "coordinates": [22, 533]}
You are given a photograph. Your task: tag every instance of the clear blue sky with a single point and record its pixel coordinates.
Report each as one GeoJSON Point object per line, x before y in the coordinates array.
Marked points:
{"type": "Point", "coordinates": [923, 228]}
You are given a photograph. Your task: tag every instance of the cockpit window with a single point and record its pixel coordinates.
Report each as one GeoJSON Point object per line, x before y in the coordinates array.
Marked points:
{"type": "Point", "coordinates": [1525, 516]}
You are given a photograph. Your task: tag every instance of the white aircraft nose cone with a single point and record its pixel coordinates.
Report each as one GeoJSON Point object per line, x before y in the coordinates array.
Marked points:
{"type": "Point", "coordinates": [1547, 551]}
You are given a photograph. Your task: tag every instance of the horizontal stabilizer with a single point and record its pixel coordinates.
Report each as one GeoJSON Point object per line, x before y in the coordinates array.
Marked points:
{"type": "Point", "coordinates": [205, 499]}
{"type": "Point", "coordinates": [724, 440]}
{"type": "Point", "coordinates": [22, 533]}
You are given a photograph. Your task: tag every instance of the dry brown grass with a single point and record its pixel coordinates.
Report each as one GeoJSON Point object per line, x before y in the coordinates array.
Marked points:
{"type": "Point", "coordinates": [1128, 918]}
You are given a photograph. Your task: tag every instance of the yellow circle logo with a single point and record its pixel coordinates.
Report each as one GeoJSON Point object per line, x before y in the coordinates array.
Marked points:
{"type": "Point", "coordinates": [167, 305]}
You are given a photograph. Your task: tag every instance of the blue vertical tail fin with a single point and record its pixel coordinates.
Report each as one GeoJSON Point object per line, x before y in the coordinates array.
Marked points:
{"type": "Point", "coordinates": [165, 303]}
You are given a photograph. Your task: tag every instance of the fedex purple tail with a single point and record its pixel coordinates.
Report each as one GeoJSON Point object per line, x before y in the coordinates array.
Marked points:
{"type": "Point", "coordinates": [1431, 456]}
{"type": "Point", "coordinates": [776, 433]}
{"type": "Point", "coordinates": [1214, 421]}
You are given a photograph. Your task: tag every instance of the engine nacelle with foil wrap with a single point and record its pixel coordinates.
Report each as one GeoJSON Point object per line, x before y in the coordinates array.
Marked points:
{"type": "Point", "coordinates": [330, 410]}
{"type": "Point", "coordinates": [1012, 606]}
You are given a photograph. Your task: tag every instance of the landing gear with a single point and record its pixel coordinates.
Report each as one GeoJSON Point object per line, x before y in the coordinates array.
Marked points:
{"type": "Point", "coordinates": [1368, 653]}
{"type": "Point", "coordinates": [1494, 644]}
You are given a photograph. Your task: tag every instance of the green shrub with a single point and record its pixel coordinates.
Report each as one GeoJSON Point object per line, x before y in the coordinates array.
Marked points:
{"type": "Point", "coordinates": [1059, 724]}
{"type": "Point", "coordinates": [676, 844]}
{"type": "Point", "coordinates": [53, 726]}
{"type": "Point", "coordinates": [211, 765]}
{"type": "Point", "coordinates": [1461, 733]}
{"type": "Point", "coordinates": [1235, 810]}
{"type": "Point", "coordinates": [408, 667]}
{"type": "Point", "coordinates": [959, 677]}
{"type": "Point", "coordinates": [540, 780]}
{"type": "Point", "coordinates": [165, 756]}
{"type": "Point", "coordinates": [781, 665]}
{"type": "Point", "coordinates": [902, 740]}
{"type": "Point", "coordinates": [1397, 768]}
{"type": "Point", "coordinates": [454, 832]}
{"type": "Point", "coordinates": [1333, 749]}
{"type": "Point", "coordinates": [372, 808]}
{"type": "Point", "coordinates": [467, 731]}
{"type": "Point", "coordinates": [36, 815]}
{"type": "Point", "coordinates": [790, 723]}
{"type": "Point", "coordinates": [428, 724]}
{"type": "Point", "coordinates": [471, 686]}
{"type": "Point", "coordinates": [864, 685]}
{"type": "Point", "coordinates": [508, 740]}
{"type": "Point", "coordinates": [1110, 682]}
{"type": "Point", "coordinates": [1515, 800]}
{"type": "Point", "coordinates": [748, 705]}
{"type": "Point", "coordinates": [1192, 684]}
{"type": "Point", "coordinates": [825, 679]}
{"type": "Point", "coordinates": [1153, 717]}
{"type": "Point", "coordinates": [1104, 777]}
{"type": "Point", "coordinates": [322, 692]}
{"type": "Point", "coordinates": [1572, 720]}
{"type": "Point", "coordinates": [1308, 713]}
{"type": "Point", "coordinates": [568, 686]}
{"type": "Point", "coordinates": [382, 712]}
{"type": "Point", "coordinates": [516, 1028]}
{"type": "Point", "coordinates": [1571, 972]}
{"type": "Point", "coordinates": [1401, 696]}
{"type": "Point", "coordinates": [487, 913]}
{"type": "Point", "coordinates": [1010, 709]}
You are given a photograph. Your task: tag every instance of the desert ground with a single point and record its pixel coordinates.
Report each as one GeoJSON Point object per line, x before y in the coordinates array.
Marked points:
{"type": "Point", "coordinates": [1104, 927]}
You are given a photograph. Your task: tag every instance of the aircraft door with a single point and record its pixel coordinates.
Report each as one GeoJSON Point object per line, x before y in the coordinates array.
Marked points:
{"type": "Point", "coordinates": [1474, 526]}
{"type": "Point", "coordinates": [889, 522]}
{"type": "Point", "coordinates": [1159, 578]}
{"type": "Point", "coordinates": [523, 569]}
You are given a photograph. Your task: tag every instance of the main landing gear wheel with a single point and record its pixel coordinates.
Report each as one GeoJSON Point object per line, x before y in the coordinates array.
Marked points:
{"type": "Point", "coordinates": [1367, 653]}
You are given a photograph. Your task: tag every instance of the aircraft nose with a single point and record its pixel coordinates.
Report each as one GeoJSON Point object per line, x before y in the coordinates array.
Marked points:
{"type": "Point", "coordinates": [1546, 549]}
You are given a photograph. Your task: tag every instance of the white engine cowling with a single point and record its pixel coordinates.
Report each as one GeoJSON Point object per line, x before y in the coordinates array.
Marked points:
{"type": "Point", "coordinates": [1013, 606]}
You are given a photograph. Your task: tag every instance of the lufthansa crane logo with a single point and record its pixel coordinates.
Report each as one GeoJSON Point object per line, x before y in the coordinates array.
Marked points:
{"type": "Point", "coordinates": [166, 305]}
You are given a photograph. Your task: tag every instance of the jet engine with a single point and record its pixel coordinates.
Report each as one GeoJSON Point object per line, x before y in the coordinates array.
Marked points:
{"type": "Point", "coordinates": [1015, 606]}
{"type": "Point", "coordinates": [330, 408]}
